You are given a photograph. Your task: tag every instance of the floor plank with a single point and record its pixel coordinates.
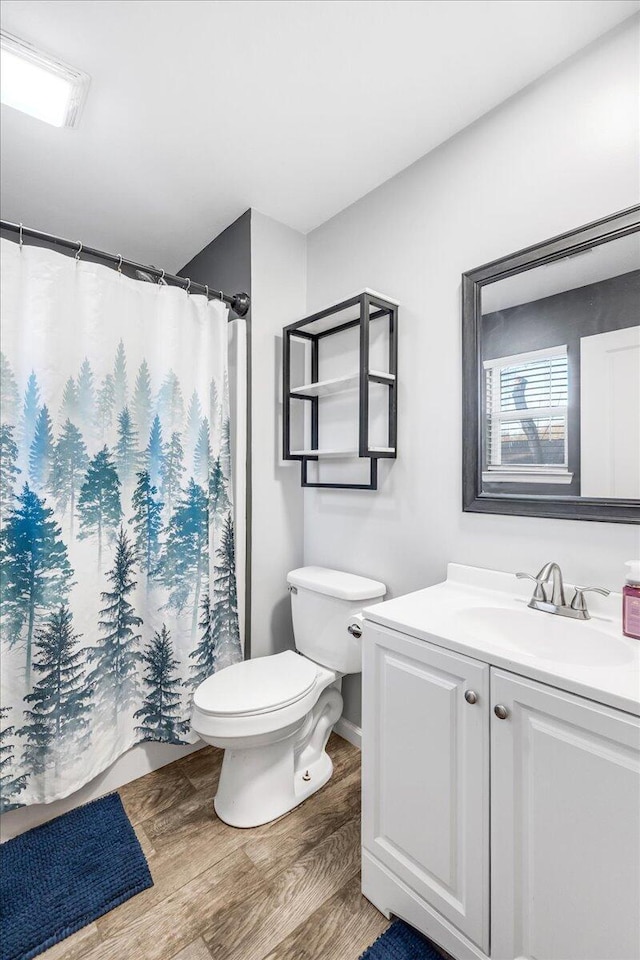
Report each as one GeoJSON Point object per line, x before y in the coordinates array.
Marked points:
{"type": "Point", "coordinates": [155, 792]}
{"type": "Point", "coordinates": [195, 951]}
{"type": "Point", "coordinates": [182, 823]}
{"type": "Point", "coordinates": [74, 947]}
{"type": "Point", "coordinates": [341, 929]}
{"type": "Point", "coordinates": [296, 834]}
{"type": "Point", "coordinates": [278, 891]}
{"type": "Point", "coordinates": [147, 847]}
{"type": "Point", "coordinates": [176, 864]}
{"type": "Point", "coordinates": [189, 838]}
{"type": "Point", "coordinates": [202, 768]}
{"type": "Point", "coordinates": [252, 929]}
{"type": "Point", "coordinates": [172, 924]}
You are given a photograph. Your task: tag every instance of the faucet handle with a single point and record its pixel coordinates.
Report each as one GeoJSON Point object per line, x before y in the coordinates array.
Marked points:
{"type": "Point", "coordinates": [538, 593]}
{"type": "Point", "coordinates": [579, 603]}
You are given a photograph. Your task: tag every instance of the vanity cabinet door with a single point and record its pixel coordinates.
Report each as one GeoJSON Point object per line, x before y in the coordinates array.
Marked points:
{"type": "Point", "coordinates": [565, 826]}
{"type": "Point", "coordinates": [425, 773]}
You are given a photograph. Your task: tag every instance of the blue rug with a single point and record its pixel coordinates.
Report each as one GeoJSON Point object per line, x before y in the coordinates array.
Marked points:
{"type": "Point", "coordinates": [62, 875]}
{"type": "Point", "coordinates": [401, 942]}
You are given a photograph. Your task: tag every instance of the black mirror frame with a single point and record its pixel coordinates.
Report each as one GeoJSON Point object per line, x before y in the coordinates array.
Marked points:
{"type": "Point", "coordinates": [473, 499]}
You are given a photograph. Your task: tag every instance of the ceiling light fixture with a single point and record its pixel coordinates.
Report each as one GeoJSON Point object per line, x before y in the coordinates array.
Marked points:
{"type": "Point", "coordinates": [38, 84]}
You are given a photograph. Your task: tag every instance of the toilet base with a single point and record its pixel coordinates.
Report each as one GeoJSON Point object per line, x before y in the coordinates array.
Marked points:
{"type": "Point", "coordinates": [263, 779]}
{"type": "Point", "coordinates": [239, 809]}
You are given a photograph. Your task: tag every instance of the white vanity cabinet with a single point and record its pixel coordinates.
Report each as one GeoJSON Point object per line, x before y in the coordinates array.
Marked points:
{"type": "Point", "coordinates": [565, 825]}
{"type": "Point", "coordinates": [426, 796]}
{"type": "Point", "coordinates": [503, 838]}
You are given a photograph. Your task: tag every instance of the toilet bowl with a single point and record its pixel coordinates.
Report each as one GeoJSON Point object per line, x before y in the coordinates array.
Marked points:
{"type": "Point", "coordinates": [273, 715]}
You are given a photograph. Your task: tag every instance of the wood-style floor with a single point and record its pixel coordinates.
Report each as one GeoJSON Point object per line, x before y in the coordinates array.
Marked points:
{"type": "Point", "coordinates": [287, 891]}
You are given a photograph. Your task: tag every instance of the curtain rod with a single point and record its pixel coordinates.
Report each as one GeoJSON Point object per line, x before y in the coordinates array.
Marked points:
{"type": "Point", "coordinates": [239, 302]}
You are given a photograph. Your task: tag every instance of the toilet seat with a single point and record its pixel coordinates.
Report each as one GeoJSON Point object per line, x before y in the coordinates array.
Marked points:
{"type": "Point", "coordinates": [255, 687]}
{"type": "Point", "coordinates": [273, 716]}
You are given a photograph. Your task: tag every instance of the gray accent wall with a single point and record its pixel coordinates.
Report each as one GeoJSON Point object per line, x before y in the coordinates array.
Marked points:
{"type": "Point", "coordinates": [225, 263]}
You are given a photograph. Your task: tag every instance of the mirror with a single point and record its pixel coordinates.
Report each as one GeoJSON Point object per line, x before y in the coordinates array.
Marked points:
{"type": "Point", "coordinates": [551, 342]}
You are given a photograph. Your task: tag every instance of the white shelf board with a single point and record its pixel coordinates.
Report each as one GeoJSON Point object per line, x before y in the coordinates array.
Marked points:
{"type": "Point", "coordinates": [338, 453]}
{"type": "Point", "coordinates": [324, 388]}
{"type": "Point", "coordinates": [324, 453]}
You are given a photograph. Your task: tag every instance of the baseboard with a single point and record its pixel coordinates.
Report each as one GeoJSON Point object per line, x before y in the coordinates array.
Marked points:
{"type": "Point", "coordinates": [349, 732]}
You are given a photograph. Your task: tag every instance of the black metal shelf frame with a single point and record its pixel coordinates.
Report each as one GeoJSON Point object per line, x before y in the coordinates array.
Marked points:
{"type": "Point", "coordinates": [371, 307]}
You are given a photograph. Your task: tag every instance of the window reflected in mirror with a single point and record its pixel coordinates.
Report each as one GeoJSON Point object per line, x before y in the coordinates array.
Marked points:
{"type": "Point", "coordinates": [560, 376]}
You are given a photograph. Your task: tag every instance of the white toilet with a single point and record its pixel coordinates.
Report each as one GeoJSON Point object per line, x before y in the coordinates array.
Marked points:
{"type": "Point", "coordinates": [273, 715]}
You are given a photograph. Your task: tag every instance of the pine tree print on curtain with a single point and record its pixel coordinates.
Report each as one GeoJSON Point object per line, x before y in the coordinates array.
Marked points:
{"type": "Point", "coordinates": [185, 561]}
{"type": "Point", "coordinates": [11, 783]}
{"type": "Point", "coordinates": [8, 470]}
{"type": "Point", "coordinates": [117, 577]}
{"type": "Point", "coordinates": [205, 654]}
{"type": "Point", "coordinates": [41, 450]}
{"type": "Point", "coordinates": [68, 467]}
{"type": "Point", "coordinates": [147, 523]}
{"type": "Point", "coordinates": [160, 711]}
{"type": "Point", "coordinates": [29, 419]}
{"type": "Point", "coordinates": [99, 506]}
{"type": "Point", "coordinates": [57, 727]}
{"type": "Point", "coordinates": [9, 394]}
{"type": "Point", "coordinates": [115, 658]}
{"type": "Point", "coordinates": [225, 602]}
{"type": "Point", "coordinates": [35, 574]}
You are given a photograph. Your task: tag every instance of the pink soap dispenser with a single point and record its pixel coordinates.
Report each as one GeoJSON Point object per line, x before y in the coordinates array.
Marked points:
{"type": "Point", "coordinates": [631, 600]}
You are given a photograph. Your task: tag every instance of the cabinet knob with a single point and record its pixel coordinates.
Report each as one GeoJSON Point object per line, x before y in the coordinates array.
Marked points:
{"type": "Point", "coordinates": [501, 712]}
{"type": "Point", "coordinates": [471, 696]}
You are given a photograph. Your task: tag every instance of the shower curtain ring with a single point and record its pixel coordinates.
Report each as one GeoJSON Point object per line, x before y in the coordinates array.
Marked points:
{"type": "Point", "coordinates": [120, 264]}
{"type": "Point", "coordinates": [162, 281]}
{"type": "Point", "coordinates": [206, 291]}
{"type": "Point", "coordinates": [188, 287]}
{"type": "Point", "coordinates": [77, 256]}
{"type": "Point", "coordinates": [21, 238]}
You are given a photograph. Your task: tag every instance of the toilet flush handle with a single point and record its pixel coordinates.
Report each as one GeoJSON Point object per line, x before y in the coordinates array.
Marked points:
{"type": "Point", "coordinates": [355, 630]}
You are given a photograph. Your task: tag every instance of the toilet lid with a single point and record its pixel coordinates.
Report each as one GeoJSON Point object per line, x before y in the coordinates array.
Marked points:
{"type": "Point", "coordinates": [257, 686]}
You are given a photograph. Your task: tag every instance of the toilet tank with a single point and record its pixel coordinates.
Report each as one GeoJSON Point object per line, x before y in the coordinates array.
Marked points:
{"type": "Point", "coordinates": [323, 604]}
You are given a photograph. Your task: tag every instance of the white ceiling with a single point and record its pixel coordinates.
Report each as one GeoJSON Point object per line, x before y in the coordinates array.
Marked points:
{"type": "Point", "coordinates": [199, 109]}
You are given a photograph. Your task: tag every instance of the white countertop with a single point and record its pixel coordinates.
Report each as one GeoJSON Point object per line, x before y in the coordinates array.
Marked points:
{"type": "Point", "coordinates": [484, 614]}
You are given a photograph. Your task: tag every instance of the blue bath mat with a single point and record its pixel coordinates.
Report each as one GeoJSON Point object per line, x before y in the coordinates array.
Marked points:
{"type": "Point", "coordinates": [401, 942]}
{"type": "Point", "coordinates": [65, 874]}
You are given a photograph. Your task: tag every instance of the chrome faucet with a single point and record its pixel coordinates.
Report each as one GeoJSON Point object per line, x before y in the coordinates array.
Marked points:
{"type": "Point", "coordinates": [556, 603]}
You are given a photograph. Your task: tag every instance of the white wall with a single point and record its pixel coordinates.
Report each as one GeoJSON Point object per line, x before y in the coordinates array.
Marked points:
{"type": "Point", "coordinates": [278, 291]}
{"type": "Point", "coordinates": [562, 153]}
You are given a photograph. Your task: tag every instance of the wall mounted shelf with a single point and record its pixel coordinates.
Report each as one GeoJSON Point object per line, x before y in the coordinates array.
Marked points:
{"type": "Point", "coordinates": [312, 336]}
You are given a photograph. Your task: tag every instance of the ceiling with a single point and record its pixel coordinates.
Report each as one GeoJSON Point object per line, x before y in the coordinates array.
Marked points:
{"type": "Point", "coordinates": [199, 109]}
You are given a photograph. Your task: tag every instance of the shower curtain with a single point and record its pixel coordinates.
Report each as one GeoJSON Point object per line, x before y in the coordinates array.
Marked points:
{"type": "Point", "coordinates": [117, 578]}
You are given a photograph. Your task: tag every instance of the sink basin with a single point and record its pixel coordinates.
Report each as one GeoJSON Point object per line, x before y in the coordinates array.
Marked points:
{"type": "Point", "coordinates": [546, 636]}
{"type": "Point", "coordinates": [484, 614]}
